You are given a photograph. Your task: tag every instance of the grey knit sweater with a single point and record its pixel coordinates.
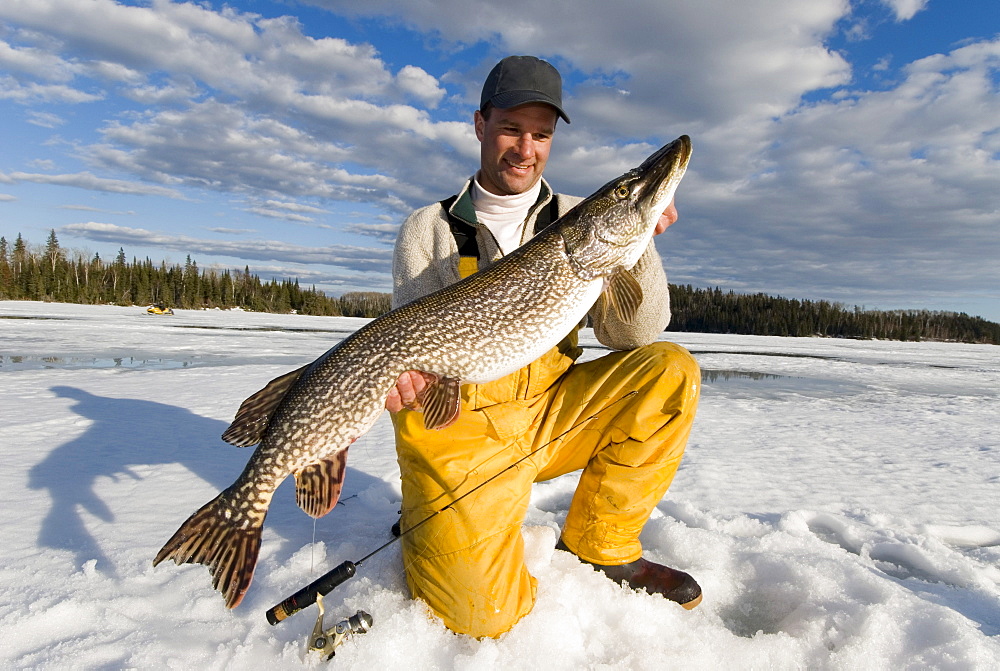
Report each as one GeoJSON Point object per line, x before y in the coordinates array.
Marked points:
{"type": "Point", "coordinates": [426, 259]}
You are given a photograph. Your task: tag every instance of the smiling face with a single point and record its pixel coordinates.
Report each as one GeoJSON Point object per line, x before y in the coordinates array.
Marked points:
{"type": "Point", "coordinates": [514, 147]}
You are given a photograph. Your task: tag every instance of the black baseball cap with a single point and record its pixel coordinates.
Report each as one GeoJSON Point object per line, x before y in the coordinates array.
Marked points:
{"type": "Point", "coordinates": [517, 80]}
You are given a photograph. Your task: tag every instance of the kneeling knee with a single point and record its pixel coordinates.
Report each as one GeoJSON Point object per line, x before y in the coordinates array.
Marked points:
{"type": "Point", "coordinates": [674, 359]}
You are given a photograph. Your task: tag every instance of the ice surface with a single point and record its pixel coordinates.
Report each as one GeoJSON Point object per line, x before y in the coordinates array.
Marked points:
{"type": "Point", "coordinates": [838, 502]}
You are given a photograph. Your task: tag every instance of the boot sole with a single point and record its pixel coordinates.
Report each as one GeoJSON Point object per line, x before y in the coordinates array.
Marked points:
{"type": "Point", "coordinates": [693, 603]}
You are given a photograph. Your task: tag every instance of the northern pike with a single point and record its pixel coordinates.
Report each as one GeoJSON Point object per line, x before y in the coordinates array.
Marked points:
{"type": "Point", "coordinates": [477, 330]}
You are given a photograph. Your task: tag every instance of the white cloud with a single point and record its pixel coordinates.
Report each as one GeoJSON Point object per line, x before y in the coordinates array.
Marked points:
{"type": "Point", "coordinates": [88, 208]}
{"type": "Point", "coordinates": [177, 90]}
{"type": "Point", "coordinates": [251, 153]}
{"type": "Point", "coordinates": [87, 180]}
{"type": "Point", "coordinates": [690, 62]}
{"type": "Point", "coordinates": [421, 85]}
{"type": "Point", "coordinates": [231, 231]}
{"type": "Point", "coordinates": [34, 93]}
{"type": "Point", "coordinates": [43, 164]}
{"type": "Point", "coordinates": [278, 214]}
{"type": "Point", "coordinates": [295, 207]}
{"type": "Point", "coordinates": [864, 198]}
{"type": "Point", "coordinates": [383, 232]}
{"type": "Point", "coordinates": [904, 10]}
{"type": "Point", "coordinates": [45, 119]}
{"type": "Point", "coordinates": [35, 62]}
{"type": "Point", "coordinates": [238, 53]}
{"type": "Point", "coordinates": [114, 72]}
{"type": "Point", "coordinates": [345, 256]}
{"type": "Point", "coordinates": [286, 100]}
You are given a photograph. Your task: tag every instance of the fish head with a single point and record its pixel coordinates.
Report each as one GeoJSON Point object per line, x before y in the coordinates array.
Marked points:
{"type": "Point", "coordinates": [612, 227]}
{"type": "Point", "coordinates": [628, 208]}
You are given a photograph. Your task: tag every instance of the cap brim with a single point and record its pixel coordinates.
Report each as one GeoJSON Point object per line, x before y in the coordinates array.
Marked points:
{"type": "Point", "coordinates": [509, 99]}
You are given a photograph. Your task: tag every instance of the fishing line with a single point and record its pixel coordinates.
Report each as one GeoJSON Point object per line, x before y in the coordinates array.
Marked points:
{"type": "Point", "coordinates": [343, 572]}
{"type": "Point", "coordinates": [312, 551]}
{"type": "Point", "coordinates": [357, 444]}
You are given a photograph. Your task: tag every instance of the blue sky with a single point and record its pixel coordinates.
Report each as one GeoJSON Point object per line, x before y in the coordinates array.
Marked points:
{"type": "Point", "coordinates": [847, 151]}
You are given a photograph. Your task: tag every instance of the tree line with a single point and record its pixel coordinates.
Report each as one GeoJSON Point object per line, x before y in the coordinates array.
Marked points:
{"type": "Point", "coordinates": [52, 273]}
{"type": "Point", "coordinates": [715, 311]}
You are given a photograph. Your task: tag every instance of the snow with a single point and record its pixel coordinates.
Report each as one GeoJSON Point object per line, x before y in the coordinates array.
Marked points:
{"type": "Point", "coordinates": [837, 502]}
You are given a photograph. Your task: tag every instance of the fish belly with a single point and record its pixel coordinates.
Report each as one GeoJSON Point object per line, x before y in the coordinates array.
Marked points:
{"type": "Point", "coordinates": [520, 347]}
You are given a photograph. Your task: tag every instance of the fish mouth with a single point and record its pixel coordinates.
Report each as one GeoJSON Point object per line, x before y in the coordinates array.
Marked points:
{"type": "Point", "coordinates": [659, 175]}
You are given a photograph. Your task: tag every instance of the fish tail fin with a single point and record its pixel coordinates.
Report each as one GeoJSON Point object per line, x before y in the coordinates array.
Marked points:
{"type": "Point", "coordinates": [224, 541]}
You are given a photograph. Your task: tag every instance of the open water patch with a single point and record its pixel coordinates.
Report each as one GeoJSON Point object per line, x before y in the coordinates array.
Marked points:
{"type": "Point", "coordinates": [783, 355]}
{"type": "Point", "coordinates": [721, 376]}
{"type": "Point", "coordinates": [282, 329]}
{"type": "Point", "coordinates": [31, 317]}
{"type": "Point", "coordinates": [755, 383]}
{"type": "Point", "coordinates": [34, 362]}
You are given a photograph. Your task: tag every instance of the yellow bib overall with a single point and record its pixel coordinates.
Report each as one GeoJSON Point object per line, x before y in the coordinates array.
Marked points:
{"type": "Point", "coordinates": [467, 563]}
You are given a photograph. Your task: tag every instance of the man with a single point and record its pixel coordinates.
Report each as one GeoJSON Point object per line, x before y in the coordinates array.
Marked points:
{"type": "Point", "coordinates": [467, 563]}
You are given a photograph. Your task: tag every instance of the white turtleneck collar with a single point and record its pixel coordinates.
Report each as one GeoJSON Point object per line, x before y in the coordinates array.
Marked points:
{"type": "Point", "coordinates": [504, 215]}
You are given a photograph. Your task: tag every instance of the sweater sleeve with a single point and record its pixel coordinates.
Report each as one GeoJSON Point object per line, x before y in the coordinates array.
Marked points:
{"type": "Point", "coordinates": [423, 258]}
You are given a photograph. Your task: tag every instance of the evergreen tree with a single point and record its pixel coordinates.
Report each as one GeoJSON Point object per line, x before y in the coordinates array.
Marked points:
{"type": "Point", "coordinates": [52, 251]}
{"type": "Point", "coordinates": [6, 272]}
{"type": "Point", "coordinates": [19, 256]}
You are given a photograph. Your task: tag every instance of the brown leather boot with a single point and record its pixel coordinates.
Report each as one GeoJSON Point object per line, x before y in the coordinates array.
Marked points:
{"type": "Point", "coordinates": [654, 578]}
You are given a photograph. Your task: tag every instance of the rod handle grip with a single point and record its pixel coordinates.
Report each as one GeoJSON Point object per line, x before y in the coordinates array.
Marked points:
{"type": "Point", "coordinates": [306, 596]}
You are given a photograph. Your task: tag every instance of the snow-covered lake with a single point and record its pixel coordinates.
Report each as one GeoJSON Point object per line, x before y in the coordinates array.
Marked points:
{"type": "Point", "coordinates": [839, 503]}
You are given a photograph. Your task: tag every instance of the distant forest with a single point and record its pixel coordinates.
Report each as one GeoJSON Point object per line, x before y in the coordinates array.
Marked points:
{"type": "Point", "coordinates": [715, 311]}
{"type": "Point", "coordinates": [51, 273]}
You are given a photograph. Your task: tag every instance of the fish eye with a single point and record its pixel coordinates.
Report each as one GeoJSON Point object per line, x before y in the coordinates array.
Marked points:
{"type": "Point", "coordinates": [622, 191]}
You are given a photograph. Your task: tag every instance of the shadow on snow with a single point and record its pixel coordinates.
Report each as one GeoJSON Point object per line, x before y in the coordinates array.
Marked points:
{"type": "Point", "coordinates": [129, 433]}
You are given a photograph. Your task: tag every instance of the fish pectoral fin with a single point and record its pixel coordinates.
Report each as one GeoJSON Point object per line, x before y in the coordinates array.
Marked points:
{"type": "Point", "coordinates": [441, 402]}
{"type": "Point", "coordinates": [625, 293]}
{"type": "Point", "coordinates": [251, 419]}
{"type": "Point", "coordinates": [318, 485]}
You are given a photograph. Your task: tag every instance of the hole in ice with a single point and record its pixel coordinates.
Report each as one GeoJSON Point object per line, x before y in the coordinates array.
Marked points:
{"type": "Point", "coordinates": [760, 609]}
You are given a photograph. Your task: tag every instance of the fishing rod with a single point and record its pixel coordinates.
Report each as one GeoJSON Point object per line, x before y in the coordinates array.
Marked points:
{"type": "Point", "coordinates": [340, 574]}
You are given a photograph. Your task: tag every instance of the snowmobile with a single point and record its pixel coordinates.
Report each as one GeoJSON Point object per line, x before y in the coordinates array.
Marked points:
{"type": "Point", "coordinates": [159, 309]}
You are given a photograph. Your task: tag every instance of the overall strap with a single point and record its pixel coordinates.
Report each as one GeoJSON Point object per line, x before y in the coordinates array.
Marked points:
{"type": "Point", "coordinates": [465, 238]}
{"type": "Point", "coordinates": [548, 215]}
{"type": "Point", "coordinates": [465, 233]}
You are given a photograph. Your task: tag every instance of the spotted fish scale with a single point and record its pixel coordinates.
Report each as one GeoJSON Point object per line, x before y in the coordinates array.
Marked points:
{"type": "Point", "coordinates": [477, 330]}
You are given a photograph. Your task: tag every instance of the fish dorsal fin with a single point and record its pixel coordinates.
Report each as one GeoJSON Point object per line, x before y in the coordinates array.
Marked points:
{"type": "Point", "coordinates": [625, 294]}
{"type": "Point", "coordinates": [318, 485]}
{"type": "Point", "coordinates": [441, 402]}
{"type": "Point", "coordinates": [251, 419]}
